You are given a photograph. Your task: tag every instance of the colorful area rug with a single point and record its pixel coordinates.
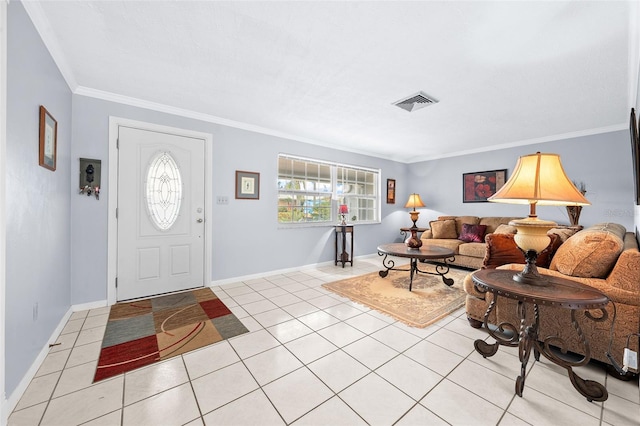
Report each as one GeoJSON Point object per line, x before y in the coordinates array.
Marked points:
{"type": "Point", "coordinates": [429, 300]}
{"type": "Point", "coordinates": [145, 331]}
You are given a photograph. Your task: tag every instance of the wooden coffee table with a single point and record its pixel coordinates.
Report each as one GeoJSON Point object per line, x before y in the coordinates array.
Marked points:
{"type": "Point", "coordinates": [557, 292]}
{"type": "Point", "coordinates": [422, 253]}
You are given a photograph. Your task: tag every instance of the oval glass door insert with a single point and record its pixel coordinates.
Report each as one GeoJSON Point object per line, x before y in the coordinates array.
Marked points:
{"type": "Point", "coordinates": [164, 190]}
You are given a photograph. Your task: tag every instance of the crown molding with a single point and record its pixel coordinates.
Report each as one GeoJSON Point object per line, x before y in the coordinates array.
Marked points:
{"type": "Point", "coordinates": [181, 112]}
{"type": "Point", "coordinates": [544, 139]}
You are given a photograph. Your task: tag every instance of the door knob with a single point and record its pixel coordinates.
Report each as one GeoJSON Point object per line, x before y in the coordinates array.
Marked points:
{"type": "Point", "coordinates": [199, 221]}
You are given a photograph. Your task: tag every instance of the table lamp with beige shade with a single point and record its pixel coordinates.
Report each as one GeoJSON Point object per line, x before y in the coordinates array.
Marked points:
{"type": "Point", "coordinates": [414, 201]}
{"type": "Point", "coordinates": [538, 179]}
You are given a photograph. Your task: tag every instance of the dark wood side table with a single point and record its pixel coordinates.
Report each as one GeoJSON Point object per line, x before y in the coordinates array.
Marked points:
{"type": "Point", "coordinates": [405, 231]}
{"type": "Point", "coordinates": [559, 293]}
{"type": "Point", "coordinates": [344, 257]}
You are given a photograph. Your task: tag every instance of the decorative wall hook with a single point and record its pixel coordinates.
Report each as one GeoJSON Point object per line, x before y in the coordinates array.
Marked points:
{"type": "Point", "coordinates": [90, 177]}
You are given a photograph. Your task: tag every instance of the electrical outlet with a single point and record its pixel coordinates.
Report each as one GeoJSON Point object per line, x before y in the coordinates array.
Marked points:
{"type": "Point", "coordinates": [222, 199]}
{"type": "Point", "coordinates": [630, 359]}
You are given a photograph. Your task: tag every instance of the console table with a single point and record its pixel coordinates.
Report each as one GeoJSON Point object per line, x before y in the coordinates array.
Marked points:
{"type": "Point", "coordinates": [557, 292]}
{"type": "Point", "coordinates": [344, 257]}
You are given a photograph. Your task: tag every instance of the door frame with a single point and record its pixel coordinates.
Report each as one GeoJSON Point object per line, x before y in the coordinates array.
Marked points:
{"type": "Point", "coordinates": [112, 224]}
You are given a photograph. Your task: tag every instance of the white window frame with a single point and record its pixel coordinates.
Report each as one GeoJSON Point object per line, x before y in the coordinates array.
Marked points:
{"type": "Point", "coordinates": [335, 192]}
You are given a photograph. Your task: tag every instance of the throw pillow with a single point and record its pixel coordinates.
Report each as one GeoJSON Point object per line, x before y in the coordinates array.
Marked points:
{"type": "Point", "coordinates": [442, 229]}
{"type": "Point", "coordinates": [472, 233]}
{"type": "Point", "coordinates": [590, 253]}
{"type": "Point", "coordinates": [563, 233]}
{"type": "Point", "coordinates": [502, 249]}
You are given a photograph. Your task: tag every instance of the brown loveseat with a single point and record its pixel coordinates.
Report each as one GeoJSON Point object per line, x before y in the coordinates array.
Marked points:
{"type": "Point", "coordinates": [603, 256]}
{"type": "Point", "coordinates": [447, 231]}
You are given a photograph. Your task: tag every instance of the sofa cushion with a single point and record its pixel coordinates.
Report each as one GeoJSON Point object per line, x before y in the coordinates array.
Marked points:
{"type": "Point", "coordinates": [472, 233]}
{"type": "Point", "coordinates": [449, 243]}
{"type": "Point", "coordinates": [501, 249]}
{"type": "Point", "coordinates": [505, 229]}
{"type": "Point", "coordinates": [590, 253]}
{"type": "Point", "coordinates": [460, 220]}
{"type": "Point", "coordinates": [472, 249]}
{"type": "Point", "coordinates": [443, 229]}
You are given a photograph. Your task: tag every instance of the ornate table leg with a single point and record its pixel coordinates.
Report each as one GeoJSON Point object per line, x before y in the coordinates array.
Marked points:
{"type": "Point", "coordinates": [590, 389]}
{"type": "Point", "coordinates": [389, 264]}
{"type": "Point", "coordinates": [442, 270]}
{"type": "Point", "coordinates": [489, 349]}
{"type": "Point", "coordinates": [528, 335]}
{"type": "Point", "coordinates": [414, 270]}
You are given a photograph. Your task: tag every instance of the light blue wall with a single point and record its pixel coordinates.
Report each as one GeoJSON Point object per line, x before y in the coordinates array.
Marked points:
{"type": "Point", "coordinates": [602, 161]}
{"type": "Point", "coordinates": [37, 203]}
{"type": "Point", "coordinates": [246, 236]}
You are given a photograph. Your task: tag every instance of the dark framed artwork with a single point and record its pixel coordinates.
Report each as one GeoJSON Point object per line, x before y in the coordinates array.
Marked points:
{"type": "Point", "coordinates": [635, 154]}
{"type": "Point", "coordinates": [391, 191]}
{"type": "Point", "coordinates": [247, 185]}
{"type": "Point", "coordinates": [477, 187]}
{"type": "Point", "coordinates": [48, 139]}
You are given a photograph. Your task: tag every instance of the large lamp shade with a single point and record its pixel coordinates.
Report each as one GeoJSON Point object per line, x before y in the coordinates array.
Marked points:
{"type": "Point", "coordinates": [537, 179]}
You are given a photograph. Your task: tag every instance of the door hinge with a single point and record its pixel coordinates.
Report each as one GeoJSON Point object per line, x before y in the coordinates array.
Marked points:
{"type": "Point", "coordinates": [116, 212]}
{"type": "Point", "coordinates": [118, 143]}
{"type": "Point", "coordinates": [116, 282]}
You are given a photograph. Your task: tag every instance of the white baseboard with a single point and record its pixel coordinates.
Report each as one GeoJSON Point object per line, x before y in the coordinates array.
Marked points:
{"type": "Point", "coordinates": [215, 283]}
{"type": "Point", "coordinates": [15, 396]}
{"type": "Point", "coordinates": [11, 402]}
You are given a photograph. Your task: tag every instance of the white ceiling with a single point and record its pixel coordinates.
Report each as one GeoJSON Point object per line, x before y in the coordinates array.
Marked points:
{"type": "Point", "coordinates": [327, 72]}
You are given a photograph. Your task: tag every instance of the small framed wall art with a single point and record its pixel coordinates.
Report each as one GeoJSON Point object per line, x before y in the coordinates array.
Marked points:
{"type": "Point", "coordinates": [477, 187]}
{"type": "Point", "coordinates": [391, 191]}
{"type": "Point", "coordinates": [247, 185]}
{"type": "Point", "coordinates": [48, 139]}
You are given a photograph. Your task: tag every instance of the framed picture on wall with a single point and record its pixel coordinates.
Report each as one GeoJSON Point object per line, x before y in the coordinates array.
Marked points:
{"type": "Point", "coordinates": [477, 187]}
{"type": "Point", "coordinates": [391, 191]}
{"type": "Point", "coordinates": [48, 139]}
{"type": "Point", "coordinates": [247, 185]}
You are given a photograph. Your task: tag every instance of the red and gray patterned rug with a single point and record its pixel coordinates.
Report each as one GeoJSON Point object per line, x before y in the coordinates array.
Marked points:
{"type": "Point", "coordinates": [142, 332]}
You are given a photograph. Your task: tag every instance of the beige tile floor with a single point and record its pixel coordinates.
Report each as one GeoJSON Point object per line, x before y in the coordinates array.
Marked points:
{"type": "Point", "coordinates": [314, 358]}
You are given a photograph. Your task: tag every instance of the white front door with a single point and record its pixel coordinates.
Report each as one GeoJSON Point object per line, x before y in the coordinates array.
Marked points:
{"type": "Point", "coordinates": [160, 213]}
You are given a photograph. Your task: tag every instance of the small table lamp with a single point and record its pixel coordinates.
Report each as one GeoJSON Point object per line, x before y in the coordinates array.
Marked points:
{"type": "Point", "coordinates": [537, 179]}
{"type": "Point", "coordinates": [413, 202]}
{"type": "Point", "coordinates": [343, 210]}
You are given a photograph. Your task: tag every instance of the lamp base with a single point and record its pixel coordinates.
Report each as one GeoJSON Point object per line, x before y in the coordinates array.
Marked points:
{"type": "Point", "coordinates": [414, 217]}
{"type": "Point", "coordinates": [414, 242]}
{"type": "Point", "coordinates": [530, 274]}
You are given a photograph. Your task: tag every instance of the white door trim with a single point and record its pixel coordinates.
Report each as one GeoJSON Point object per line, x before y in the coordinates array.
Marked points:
{"type": "Point", "coordinates": [112, 224]}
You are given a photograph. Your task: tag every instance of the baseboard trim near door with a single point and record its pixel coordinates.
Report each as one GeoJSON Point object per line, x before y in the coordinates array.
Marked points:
{"type": "Point", "coordinates": [217, 283]}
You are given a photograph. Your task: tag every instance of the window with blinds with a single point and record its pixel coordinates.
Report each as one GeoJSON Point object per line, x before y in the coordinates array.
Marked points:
{"type": "Point", "coordinates": [310, 191]}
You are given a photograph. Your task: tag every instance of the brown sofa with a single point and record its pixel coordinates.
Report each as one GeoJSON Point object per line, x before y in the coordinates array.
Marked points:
{"type": "Point", "coordinates": [447, 231]}
{"type": "Point", "coordinates": [603, 256]}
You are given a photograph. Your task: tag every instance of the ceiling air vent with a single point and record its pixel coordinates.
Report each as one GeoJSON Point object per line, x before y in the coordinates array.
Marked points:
{"type": "Point", "coordinates": [414, 102]}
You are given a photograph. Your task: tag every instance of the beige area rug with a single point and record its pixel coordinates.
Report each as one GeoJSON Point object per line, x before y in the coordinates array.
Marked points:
{"type": "Point", "coordinates": [429, 300]}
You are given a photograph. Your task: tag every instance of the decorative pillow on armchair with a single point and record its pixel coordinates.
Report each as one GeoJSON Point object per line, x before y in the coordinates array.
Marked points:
{"type": "Point", "coordinates": [472, 233]}
{"type": "Point", "coordinates": [443, 229]}
{"type": "Point", "coordinates": [502, 249]}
